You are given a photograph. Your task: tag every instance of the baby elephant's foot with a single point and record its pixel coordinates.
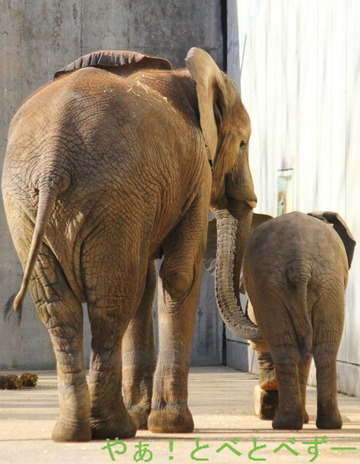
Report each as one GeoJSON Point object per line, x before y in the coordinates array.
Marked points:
{"type": "Point", "coordinates": [329, 421]}
{"type": "Point", "coordinates": [171, 419]}
{"type": "Point", "coordinates": [288, 421]}
{"type": "Point", "coordinates": [112, 427]}
{"type": "Point", "coordinates": [265, 403]}
{"type": "Point", "coordinates": [66, 430]}
{"type": "Point", "coordinates": [306, 417]}
{"type": "Point", "coordinates": [139, 415]}
{"type": "Point", "coordinates": [267, 379]}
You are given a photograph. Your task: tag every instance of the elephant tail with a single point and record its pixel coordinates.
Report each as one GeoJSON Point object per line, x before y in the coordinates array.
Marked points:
{"type": "Point", "coordinates": [299, 314]}
{"type": "Point", "coordinates": [46, 203]}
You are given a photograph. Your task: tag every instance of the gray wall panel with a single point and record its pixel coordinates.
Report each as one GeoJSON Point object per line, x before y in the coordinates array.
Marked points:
{"type": "Point", "coordinates": [37, 37]}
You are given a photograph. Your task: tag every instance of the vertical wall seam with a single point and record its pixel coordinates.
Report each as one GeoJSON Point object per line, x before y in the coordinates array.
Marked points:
{"type": "Point", "coordinates": [224, 31]}
{"type": "Point", "coordinates": [81, 27]}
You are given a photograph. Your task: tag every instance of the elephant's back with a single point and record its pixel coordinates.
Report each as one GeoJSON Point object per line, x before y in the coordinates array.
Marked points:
{"type": "Point", "coordinates": [296, 243]}
{"type": "Point", "coordinates": [133, 161]}
{"type": "Point", "coordinates": [108, 133]}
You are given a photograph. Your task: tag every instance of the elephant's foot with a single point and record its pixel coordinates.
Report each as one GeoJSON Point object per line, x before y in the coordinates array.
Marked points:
{"type": "Point", "coordinates": [139, 414]}
{"type": "Point", "coordinates": [269, 385]}
{"type": "Point", "coordinates": [267, 379]}
{"type": "Point", "coordinates": [73, 423]}
{"type": "Point", "coordinates": [265, 403]}
{"type": "Point", "coordinates": [66, 430]}
{"type": "Point", "coordinates": [171, 419]}
{"type": "Point", "coordinates": [306, 417]}
{"type": "Point", "coordinates": [329, 420]}
{"type": "Point", "coordinates": [112, 427]}
{"type": "Point", "coordinates": [288, 421]}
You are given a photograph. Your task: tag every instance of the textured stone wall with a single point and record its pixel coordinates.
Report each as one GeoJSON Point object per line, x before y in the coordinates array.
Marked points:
{"type": "Point", "coordinates": [39, 37]}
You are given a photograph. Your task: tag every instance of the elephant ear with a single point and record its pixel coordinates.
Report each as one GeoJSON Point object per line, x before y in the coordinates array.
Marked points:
{"type": "Point", "coordinates": [116, 61]}
{"type": "Point", "coordinates": [341, 228]}
{"type": "Point", "coordinates": [211, 94]}
{"type": "Point", "coordinates": [259, 219]}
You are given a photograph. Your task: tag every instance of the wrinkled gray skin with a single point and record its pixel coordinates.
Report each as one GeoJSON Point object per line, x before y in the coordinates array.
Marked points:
{"type": "Point", "coordinates": [108, 168]}
{"type": "Point", "coordinates": [295, 272]}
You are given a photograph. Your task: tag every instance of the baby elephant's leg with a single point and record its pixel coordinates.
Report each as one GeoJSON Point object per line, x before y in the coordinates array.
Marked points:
{"type": "Point", "coordinates": [277, 330]}
{"type": "Point", "coordinates": [290, 412]}
{"type": "Point", "coordinates": [328, 317]}
{"type": "Point", "coordinates": [303, 369]}
{"type": "Point", "coordinates": [266, 397]}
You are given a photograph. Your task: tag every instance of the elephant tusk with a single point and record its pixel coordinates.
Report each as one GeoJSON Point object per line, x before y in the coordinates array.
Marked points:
{"type": "Point", "coordinates": [251, 203]}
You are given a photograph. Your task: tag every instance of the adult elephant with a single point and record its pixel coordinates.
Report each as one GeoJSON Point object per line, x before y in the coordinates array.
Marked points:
{"type": "Point", "coordinates": [111, 165]}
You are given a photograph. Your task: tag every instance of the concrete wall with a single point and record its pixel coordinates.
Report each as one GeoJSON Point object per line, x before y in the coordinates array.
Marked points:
{"type": "Point", "coordinates": [41, 36]}
{"type": "Point", "coordinates": [298, 65]}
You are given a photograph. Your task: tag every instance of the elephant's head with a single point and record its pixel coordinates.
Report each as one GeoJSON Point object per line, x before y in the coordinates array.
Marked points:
{"type": "Point", "coordinates": [226, 128]}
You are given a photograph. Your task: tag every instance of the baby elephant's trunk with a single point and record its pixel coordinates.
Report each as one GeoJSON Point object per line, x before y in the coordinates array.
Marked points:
{"type": "Point", "coordinates": [299, 313]}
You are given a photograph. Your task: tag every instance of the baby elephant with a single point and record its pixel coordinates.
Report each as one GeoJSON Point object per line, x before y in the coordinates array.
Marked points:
{"type": "Point", "coordinates": [295, 272]}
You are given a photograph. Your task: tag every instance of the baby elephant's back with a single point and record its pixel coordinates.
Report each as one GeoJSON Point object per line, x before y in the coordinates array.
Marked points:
{"type": "Point", "coordinates": [295, 245]}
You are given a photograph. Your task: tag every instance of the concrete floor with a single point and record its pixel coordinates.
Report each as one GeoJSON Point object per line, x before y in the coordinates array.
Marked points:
{"type": "Point", "coordinates": [221, 400]}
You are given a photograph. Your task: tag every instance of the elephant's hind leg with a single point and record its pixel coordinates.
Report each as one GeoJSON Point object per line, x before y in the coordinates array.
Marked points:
{"type": "Point", "coordinates": [278, 333]}
{"type": "Point", "coordinates": [328, 320]}
{"type": "Point", "coordinates": [138, 356]}
{"type": "Point", "coordinates": [328, 414]}
{"type": "Point", "coordinates": [290, 411]}
{"type": "Point", "coordinates": [303, 369]}
{"type": "Point", "coordinates": [61, 313]}
{"type": "Point", "coordinates": [277, 330]}
{"type": "Point", "coordinates": [109, 316]}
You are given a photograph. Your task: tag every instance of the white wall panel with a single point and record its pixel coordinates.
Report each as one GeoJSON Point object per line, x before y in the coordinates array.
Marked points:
{"type": "Point", "coordinates": [306, 164]}
{"type": "Point", "coordinates": [302, 70]}
{"type": "Point", "coordinates": [274, 106]}
{"type": "Point", "coordinates": [324, 41]}
{"type": "Point", "coordinates": [338, 113]}
{"type": "Point", "coordinates": [352, 155]}
{"type": "Point", "coordinates": [39, 37]}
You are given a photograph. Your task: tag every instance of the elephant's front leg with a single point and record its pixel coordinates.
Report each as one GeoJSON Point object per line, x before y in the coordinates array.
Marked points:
{"type": "Point", "coordinates": [139, 357]}
{"type": "Point", "coordinates": [266, 394]}
{"type": "Point", "coordinates": [108, 318]}
{"type": "Point", "coordinates": [169, 410]}
{"type": "Point", "coordinates": [180, 276]}
{"type": "Point", "coordinates": [267, 374]}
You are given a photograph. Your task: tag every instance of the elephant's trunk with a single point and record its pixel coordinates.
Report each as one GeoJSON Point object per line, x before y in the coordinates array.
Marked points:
{"type": "Point", "coordinates": [232, 234]}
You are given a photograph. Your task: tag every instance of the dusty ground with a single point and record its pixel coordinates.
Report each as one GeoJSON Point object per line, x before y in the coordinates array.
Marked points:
{"type": "Point", "coordinates": [221, 400]}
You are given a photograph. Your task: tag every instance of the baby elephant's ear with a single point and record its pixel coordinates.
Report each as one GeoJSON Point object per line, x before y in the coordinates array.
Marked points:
{"type": "Point", "coordinates": [259, 219]}
{"type": "Point", "coordinates": [116, 61]}
{"type": "Point", "coordinates": [341, 228]}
